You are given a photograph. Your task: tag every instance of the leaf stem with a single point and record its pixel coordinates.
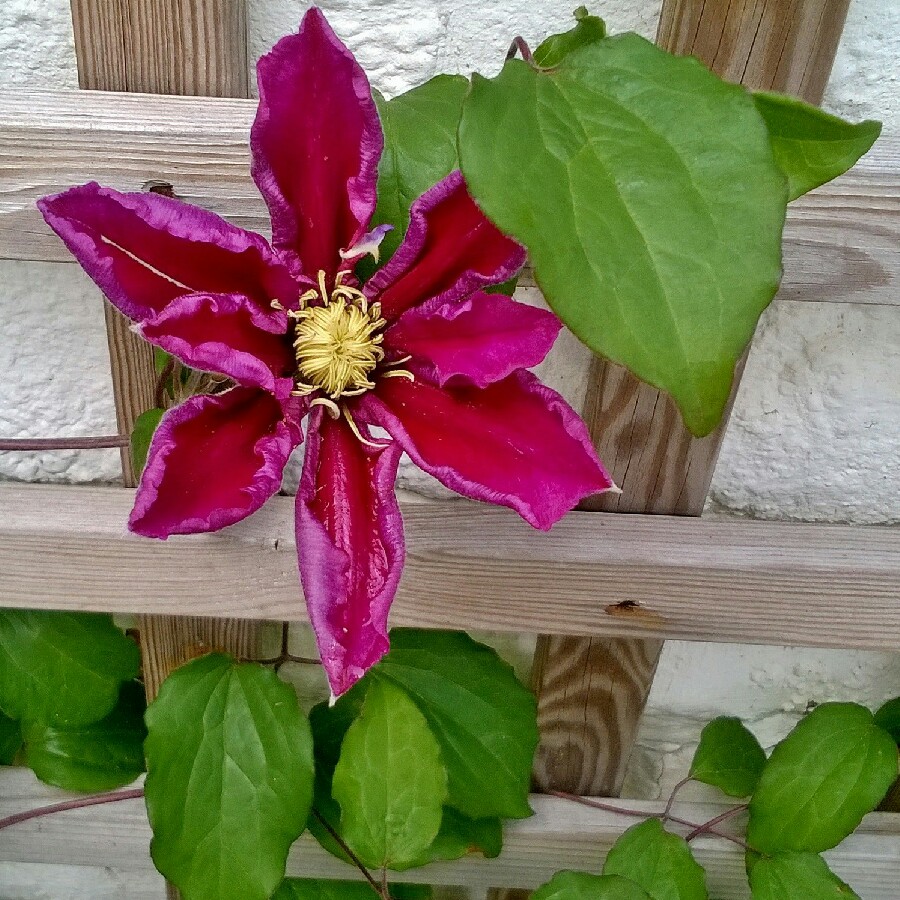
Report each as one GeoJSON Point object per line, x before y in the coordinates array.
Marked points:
{"type": "Point", "coordinates": [705, 827]}
{"type": "Point", "coordinates": [73, 443]}
{"type": "Point", "coordinates": [16, 818]}
{"type": "Point", "coordinates": [673, 795]}
{"type": "Point", "coordinates": [351, 855]}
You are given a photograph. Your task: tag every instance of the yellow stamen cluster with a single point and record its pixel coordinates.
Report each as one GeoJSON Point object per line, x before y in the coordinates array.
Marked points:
{"type": "Point", "coordinates": [337, 344]}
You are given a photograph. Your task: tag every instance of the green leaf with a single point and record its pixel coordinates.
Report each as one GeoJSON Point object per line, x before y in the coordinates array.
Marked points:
{"type": "Point", "coordinates": [62, 669]}
{"type": "Point", "coordinates": [320, 889]}
{"type": "Point", "coordinates": [888, 718]}
{"type": "Point", "coordinates": [645, 190]}
{"type": "Point", "coordinates": [797, 876]}
{"type": "Point", "coordinates": [819, 782]}
{"type": "Point", "coordinates": [482, 716]}
{"type": "Point", "coordinates": [389, 781]}
{"type": "Point", "coordinates": [555, 48]}
{"type": "Point", "coordinates": [660, 862]}
{"type": "Point", "coordinates": [97, 757]}
{"type": "Point", "coordinates": [584, 886]}
{"type": "Point", "coordinates": [728, 757]}
{"type": "Point", "coordinates": [460, 835]}
{"type": "Point", "coordinates": [229, 778]}
{"type": "Point", "coordinates": [144, 427]}
{"type": "Point", "coordinates": [812, 146]}
{"type": "Point", "coordinates": [419, 149]}
{"type": "Point", "coordinates": [10, 740]}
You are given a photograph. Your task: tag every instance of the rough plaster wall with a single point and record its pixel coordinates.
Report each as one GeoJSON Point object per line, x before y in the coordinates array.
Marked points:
{"type": "Point", "coordinates": [814, 434]}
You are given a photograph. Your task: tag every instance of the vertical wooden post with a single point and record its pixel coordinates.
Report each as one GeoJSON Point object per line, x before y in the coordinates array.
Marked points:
{"type": "Point", "coordinates": [591, 692]}
{"type": "Point", "coordinates": [196, 47]}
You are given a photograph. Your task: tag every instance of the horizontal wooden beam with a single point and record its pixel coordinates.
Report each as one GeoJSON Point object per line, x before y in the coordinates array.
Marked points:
{"type": "Point", "coordinates": [561, 835]}
{"type": "Point", "coordinates": [840, 245]}
{"type": "Point", "coordinates": [474, 567]}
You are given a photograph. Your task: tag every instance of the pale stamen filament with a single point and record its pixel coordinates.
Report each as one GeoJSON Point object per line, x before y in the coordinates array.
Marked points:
{"type": "Point", "coordinates": [355, 429]}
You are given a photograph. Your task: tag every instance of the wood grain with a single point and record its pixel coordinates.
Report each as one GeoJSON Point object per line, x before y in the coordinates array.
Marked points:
{"type": "Point", "coordinates": [474, 567]}
{"type": "Point", "coordinates": [841, 242]}
{"type": "Point", "coordinates": [561, 835]}
{"type": "Point", "coordinates": [591, 693]}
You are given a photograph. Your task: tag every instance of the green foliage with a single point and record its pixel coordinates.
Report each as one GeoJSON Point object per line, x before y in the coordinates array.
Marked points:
{"type": "Point", "coordinates": [728, 757]}
{"type": "Point", "coordinates": [144, 427]}
{"type": "Point", "coordinates": [10, 740]}
{"type": "Point", "coordinates": [230, 778]}
{"type": "Point", "coordinates": [888, 718]}
{"type": "Point", "coordinates": [320, 889]}
{"type": "Point", "coordinates": [459, 835]}
{"type": "Point", "coordinates": [419, 149]}
{"type": "Point", "coordinates": [645, 190]}
{"type": "Point", "coordinates": [389, 781]}
{"type": "Point", "coordinates": [583, 886]}
{"type": "Point", "coordinates": [660, 862]}
{"type": "Point", "coordinates": [555, 48]}
{"type": "Point", "coordinates": [796, 876]}
{"type": "Point", "coordinates": [96, 757]}
{"type": "Point", "coordinates": [62, 669]}
{"type": "Point", "coordinates": [483, 718]}
{"type": "Point", "coordinates": [811, 146]}
{"type": "Point", "coordinates": [819, 782]}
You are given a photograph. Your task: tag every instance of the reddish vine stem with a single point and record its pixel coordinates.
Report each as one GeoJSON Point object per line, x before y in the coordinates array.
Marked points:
{"type": "Point", "coordinates": [350, 854]}
{"type": "Point", "coordinates": [96, 800]}
{"type": "Point", "coordinates": [703, 827]}
{"type": "Point", "coordinates": [706, 827]}
{"type": "Point", "coordinates": [73, 443]}
{"type": "Point", "coordinates": [284, 656]}
{"type": "Point", "coordinates": [520, 45]}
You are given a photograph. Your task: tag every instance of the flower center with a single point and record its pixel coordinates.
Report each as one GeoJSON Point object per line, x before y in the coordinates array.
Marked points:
{"type": "Point", "coordinates": [337, 346]}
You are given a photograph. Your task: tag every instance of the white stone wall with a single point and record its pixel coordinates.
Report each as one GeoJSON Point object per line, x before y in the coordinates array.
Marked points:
{"type": "Point", "coordinates": [815, 434]}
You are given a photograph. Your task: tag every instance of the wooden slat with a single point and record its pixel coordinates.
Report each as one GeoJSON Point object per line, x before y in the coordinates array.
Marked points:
{"type": "Point", "coordinates": [561, 835]}
{"type": "Point", "coordinates": [475, 567]}
{"type": "Point", "coordinates": [841, 242]}
{"type": "Point", "coordinates": [194, 47]}
{"type": "Point", "coordinates": [591, 693]}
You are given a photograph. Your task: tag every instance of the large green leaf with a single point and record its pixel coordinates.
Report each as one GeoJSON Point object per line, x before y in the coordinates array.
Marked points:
{"type": "Point", "coordinates": [62, 669]}
{"type": "Point", "coordinates": [555, 48]}
{"type": "Point", "coordinates": [483, 717]}
{"type": "Point", "coordinates": [584, 886]}
{"type": "Point", "coordinates": [819, 782]}
{"type": "Point", "coordinates": [728, 757]}
{"type": "Point", "coordinates": [320, 889]}
{"type": "Point", "coordinates": [96, 757]}
{"type": "Point", "coordinates": [659, 861]}
{"type": "Point", "coordinates": [229, 778]}
{"type": "Point", "coordinates": [645, 190]}
{"type": "Point", "coordinates": [419, 148]}
{"type": "Point", "coordinates": [888, 718]}
{"type": "Point", "coordinates": [10, 739]}
{"type": "Point", "coordinates": [458, 834]}
{"type": "Point", "coordinates": [141, 434]}
{"type": "Point", "coordinates": [390, 781]}
{"type": "Point", "coordinates": [811, 146]}
{"type": "Point", "coordinates": [797, 876]}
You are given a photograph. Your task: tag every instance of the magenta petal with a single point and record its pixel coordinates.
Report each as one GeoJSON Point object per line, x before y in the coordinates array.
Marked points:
{"type": "Point", "coordinates": [482, 339]}
{"type": "Point", "coordinates": [228, 334]}
{"type": "Point", "coordinates": [450, 250]}
{"type": "Point", "coordinates": [349, 546]}
{"type": "Point", "coordinates": [515, 443]}
{"type": "Point", "coordinates": [213, 461]}
{"type": "Point", "coordinates": [316, 143]}
{"type": "Point", "coordinates": [143, 250]}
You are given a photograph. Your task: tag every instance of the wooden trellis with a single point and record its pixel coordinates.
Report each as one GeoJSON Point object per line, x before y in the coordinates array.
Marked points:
{"type": "Point", "coordinates": [630, 581]}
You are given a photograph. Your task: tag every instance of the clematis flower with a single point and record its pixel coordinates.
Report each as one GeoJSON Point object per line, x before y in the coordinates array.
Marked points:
{"type": "Point", "coordinates": [419, 352]}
